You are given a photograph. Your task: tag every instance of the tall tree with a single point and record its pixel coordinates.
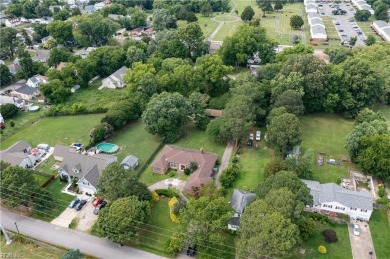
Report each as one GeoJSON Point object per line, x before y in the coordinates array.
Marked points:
{"type": "Point", "coordinates": [116, 182]}
{"type": "Point", "coordinates": [136, 74]}
{"type": "Point", "coordinates": [296, 22]}
{"type": "Point", "coordinates": [192, 36]}
{"type": "Point", "coordinates": [292, 101]}
{"type": "Point", "coordinates": [381, 11]}
{"type": "Point", "coordinates": [61, 31]}
{"type": "Point", "coordinates": [371, 40]}
{"type": "Point", "coordinates": [55, 91]}
{"type": "Point", "coordinates": [5, 75]}
{"type": "Point", "coordinates": [284, 132]}
{"type": "Point", "coordinates": [247, 14]}
{"type": "Point", "coordinates": [58, 55]}
{"type": "Point", "coordinates": [138, 18]}
{"type": "Point", "coordinates": [265, 6]}
{"type": "Point", "coordinates": [121, 221]}
{"type": "Point", "coordinates": [163, 20]}
{"type": "Point", "coordinates": [26, 64]}
{"type": "Point", "coordinates": [244, 43]}
{"type": "Point", "coordinates": [17, 185]}
{"type": "Point", "coordinates": [264, 232]}
{"type": "Point", "coordinates": [8, 41]}
{"type": "Point", "coordinates": [362, 15]}
{"type": "Point", "coordinates": [108, 59]}
{"type": "Point", "coordinates": [166, 114]}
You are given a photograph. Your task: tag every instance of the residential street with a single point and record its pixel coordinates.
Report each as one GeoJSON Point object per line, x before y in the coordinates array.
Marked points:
{"type": "Point", "coordinates": [91, 245]}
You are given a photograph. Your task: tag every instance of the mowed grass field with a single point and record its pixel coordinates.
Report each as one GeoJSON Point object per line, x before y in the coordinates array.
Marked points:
{"type": "Point", "coordinates": [206, 24]}
{"type": "Point", "coordinates": [380, 232]}
{"type": "Point", "coordinates": [339, 250]}
{"type": "Point", "coordinates": [59, 130]}
{"type": "Point", "coordinates": [326, 133]}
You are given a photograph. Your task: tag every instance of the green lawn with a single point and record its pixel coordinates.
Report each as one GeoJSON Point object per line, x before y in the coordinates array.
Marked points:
{"type": "Point", "coordinates": [207, 25]}
{"type": "Point", "coordinates": [149, 178]}
{"type": "Point", "coordinates": [91, 96]}
{"type": "Point", "coordinates": [58, 205]}
{"type": "Point", "coordinates": [380, 232]}
{"type": "Point", "coordinates": [159, 229]}
{"type": "Point", "coordinates": [40, 178]}
{"type": "Point", "coordinates": [22, 120]}
{"type": "Point", "coordinates": [252, 163]}
{"type": "Point", "coordinates": [197, 139]}
{"type": "Point", "coordinates": [46, 165]}
{"type": "Point", "coordinates": [326, 133]}
{"type": "Point", "coordinates": [28, 250]}
{"type": "Point", "coordinates": [59, 130]}
{"type": "Point", "coordinates": [134, 140]}
{"type": "Point", "coordinates": [339, 250]}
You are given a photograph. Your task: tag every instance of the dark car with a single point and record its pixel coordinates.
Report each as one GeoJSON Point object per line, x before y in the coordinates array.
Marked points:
{"type": "Point", "coordinates": [250, 143]}
{"type": "Point", "coordinates": [99, 207]}
{"type": "Point", "coordinates": [341, 30]}
{"type": "Point", "coordinates": [191, 251]}
{"type": "Point", "coordinates": [80, 205]}
{"type": "Point", "coordinates": [74, 203]}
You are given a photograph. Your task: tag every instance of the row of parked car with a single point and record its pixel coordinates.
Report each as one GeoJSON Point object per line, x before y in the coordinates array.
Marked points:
{"type": "Point", "coordinates": [78, 204]}
{"type": "Point", "coordinates": [252, 137]}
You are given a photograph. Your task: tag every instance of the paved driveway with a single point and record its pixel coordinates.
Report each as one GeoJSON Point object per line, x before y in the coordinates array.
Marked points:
{"type": "Point", "coordinates": [86, 217]}
{"type": "Point", "coordinates": [361, 245]}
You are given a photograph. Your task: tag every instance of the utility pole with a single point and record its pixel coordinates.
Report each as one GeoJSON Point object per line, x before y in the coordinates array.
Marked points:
{"type": "Point", "coordinates": [9, 241]}
{"type": "Point", "coordinates": [17, 229]}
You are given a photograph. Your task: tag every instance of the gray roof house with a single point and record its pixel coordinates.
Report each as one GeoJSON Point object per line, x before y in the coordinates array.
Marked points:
{"type": "Point", "coordinates": [115, 80]}
{"type": "Point", "coordinates": [331, 199]}
{"type": "Point", "coordinates": [25, 92]}
{"type": "Point", "coordinates": [87, 169]}
{"type": "Point", "coordinates": [240, 199]}
{"type": "Point", "coordinates": [129, 162]}
{"type": "Point", "coordinates": [19, 155]}
{"type": "Point", "coordinates": [41, 55]}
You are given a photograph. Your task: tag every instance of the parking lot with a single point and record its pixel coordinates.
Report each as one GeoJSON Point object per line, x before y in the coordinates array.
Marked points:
{"type": "Point", "coordinates": [345, 28]}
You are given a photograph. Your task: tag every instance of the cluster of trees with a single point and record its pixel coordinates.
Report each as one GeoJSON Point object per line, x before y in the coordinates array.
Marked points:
{"type": "Point", "coordinates": [368, 144]}
{"type": "Point", "coordinates": [381, 9]}
{"type": "Point", "coordinates": [128, 207]}
{"type": "Point", "coordinates": [283, 225]}
{"type": "Point", "coordinates": [31, 9]}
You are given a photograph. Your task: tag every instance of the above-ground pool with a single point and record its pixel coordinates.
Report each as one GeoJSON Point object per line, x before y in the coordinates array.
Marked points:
{"type": "Point", "coordinates": [33, 108]}
{"type": "Point", "coordinates": [107, 148]}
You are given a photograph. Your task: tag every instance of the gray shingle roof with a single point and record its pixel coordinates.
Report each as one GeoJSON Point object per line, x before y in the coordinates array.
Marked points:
{"type": "Point", "coordinates": [331, 192]}
{"type": "Point", "coordinates": [129, 161]}
{"type": "Point", "coordinates": [25, 89]}
{"type": "Point", "coordinates": [15, 154]}
{"type": "Point", "coordinates": [93, 176]}
{"type": "Point", "coordinates": [18, 147]}
{"type": "Point", "coordinates": [240, 199]}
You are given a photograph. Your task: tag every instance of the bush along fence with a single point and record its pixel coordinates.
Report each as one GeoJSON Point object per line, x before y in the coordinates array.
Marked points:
{"type": "Point", "coordinates": [48, 181]}
{"type": "Point", "coordinates": [149, 160]}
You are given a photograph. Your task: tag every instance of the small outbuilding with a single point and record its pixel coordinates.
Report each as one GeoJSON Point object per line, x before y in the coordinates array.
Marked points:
{"type": "Point", "coordinates": [130, 162]}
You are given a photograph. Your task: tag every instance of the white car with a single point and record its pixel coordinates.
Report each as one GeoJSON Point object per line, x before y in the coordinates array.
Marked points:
{"type": "Point", "coordinates": [258, 135]}
{"type": "Point", "coordinates": [251, 136]}
{"type": "Point", "coordinates": [356, 229]}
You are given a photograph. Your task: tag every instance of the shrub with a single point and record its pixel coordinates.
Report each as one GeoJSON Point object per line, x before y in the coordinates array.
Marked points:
{"type": "Point", "coordinates": [174, 244]}
{"type": "Point", "coordinates": [167, 193]}
{"type": "Point", "coordinates": [330, 236]}
{"type": "Point", "coordinates": [187, 171]}
{"type": "Point", "coordinates": [317, 217]}
{"type": "Point", "coordinates": [228, 176]}
{"type": "Point", "coordinates": [382, 201]}
{"type": "Point", "coordinates": [322, 249]}
{"type": "Point", "coordinates": [171, 204]}
{"type": "Point", "coordinates": [178, 206]}
{"type": "Point", "coordinates": [172, 174]}
{"type": "Point", "coordinates": [381, 191]}
{"type": "Point", "coordinates": [8, 110]}
{"type": "Point", "coordinates": [155, 197]}
{"type": "Point", "coordinates": [12, 124]}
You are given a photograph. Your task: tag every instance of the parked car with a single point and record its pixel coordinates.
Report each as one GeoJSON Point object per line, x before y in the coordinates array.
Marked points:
{"type": "Point", "coordinates": [333, 162]}
{"type": "Point", "coordinates": [356, 229]}
{"type": "Point", "coordinates": [251, 136]}
{"type": "Point", "coordinates": [99, 207]}
{"type": "Point", "coordinates": [74, 203]}
{"type": "Point", "coordinates": [258, 135]}
{"type": "Point", "coordinates": [250, 143]}
{"type": "Point", "coordinates": [80, 205]}
{"type": "Point", "coordinates": [341, 30]}
{"type": "Point", "coordinates": [191, 251]}
{"type": "Point", "coordinates": [337, 23]}
{"type": "Point", "coordinates": [97, 201]}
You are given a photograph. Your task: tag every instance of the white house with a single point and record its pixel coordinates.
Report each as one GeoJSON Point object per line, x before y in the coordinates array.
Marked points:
{"type": "Point", "coordinates": [13, 22]}
{"type": "Point", "coordinates": [331, 199]}
{"type": "Point", "coordinates": [383, 29]}
{"type": "Point", "coordinates": [19, 154]}
{"type": "Point", "coordinates": [317, 32]}
{"type": "Point", "coordinates": [36, 80]}
{"type": "Point", "coordinates": [115, 80]}
{"type": "Point", "coordinates": [240, 199]}
{"type": "Point", "coordinates": [86, 169]}
{"type": "Point", "coordinates": [362, 5]}
{"type": "Point", "coordinates": [12, 100]}
{"type": "Point", "coordinates": [311, 8]}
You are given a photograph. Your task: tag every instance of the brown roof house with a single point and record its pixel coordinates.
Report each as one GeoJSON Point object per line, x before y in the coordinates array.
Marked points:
{"type": "Point", "coordinates": [172, 157]}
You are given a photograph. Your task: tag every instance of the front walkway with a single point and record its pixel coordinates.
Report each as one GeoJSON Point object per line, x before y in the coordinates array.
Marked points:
{"type": "Point", "coordinates": [225, 160]}
{"type": "Point", "coordinates": [361, 245]}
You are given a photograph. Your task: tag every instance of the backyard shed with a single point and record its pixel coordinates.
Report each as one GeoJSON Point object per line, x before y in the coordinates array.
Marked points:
{"type": "Point", "coordinates": [130, 162]}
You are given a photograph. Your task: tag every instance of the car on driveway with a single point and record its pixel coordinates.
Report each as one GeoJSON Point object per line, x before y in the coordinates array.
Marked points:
{"type": "Point", "coordinates": [251, 136]}
{"type": "Point", "coordinates": [74, 203]}
{"type": "Point", "coordinates": [249, 143]}
{"type": "Point", "coordinates": [80, 205]}
{"type": "Point", "coordinates": [258, 135]}
{"type": "Point", "coordinates": [99, 207]}
{"type": "Point", "coordinates": [341, 30]}
{"type": "Point", "coordinates": [337, 23]}
{"type": "Point", "coordinates": [96, 202]}
{"type": "Point", "coordinates": [356, 229]}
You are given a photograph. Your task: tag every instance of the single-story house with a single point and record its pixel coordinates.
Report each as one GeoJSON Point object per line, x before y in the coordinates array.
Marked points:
{"type": "Point", "coordinates": [311, 8]}
{"type": "Point", "coordinates": [318, 32]}
{"type": "Point", "coordinates": [383, 29]}
{"type": "Point", "coordinates": [26, 92]}
{"type": "Point", "coordinates": [177, 158]}
{"type": "Point", "coordinates": [240, 199]}
{"type": "Point", "coordinates": [19, 154]}
{"type": "Point", "coordinates": [41, 55]}
{"type": "Point", "coordinates": [331, 199]}
{"type": "Point", "coordinates": [36, 80]}
{"type": "Point", "coordinates": [115, 80]}
{"type": "Point", "coordinates": [12, 100]}
{"type": "Point", "coordinates": [86, 169]}
{"type": "Point", "coordinates": [129, 162]}
{"type": "Point", "coordinates": [213, 113]}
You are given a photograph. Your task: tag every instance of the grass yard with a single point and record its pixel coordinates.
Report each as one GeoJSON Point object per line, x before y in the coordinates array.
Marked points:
{"type": "Point", "coordinates": [326, 133]}
{"type": "Point", "coordinates": [380, 232]}
{"type": "Point", "coordinates": [252, 163]}
{"type": "Point", "coordinates": [330, 28]}
{"type": "Point", "coordinates": [40, 178]}
{"type": "Point", "coordinates": [159, 229]}
{"type": "Point", "coordinates": [339, 250]}
{"type": "Point", "coordinates": [28, 250]}
{"type": "Point", "coordinates": [46, 165]}
{"type": "Point", "coordinates": [22, 120]}
{"type": "Point", "coordinates": [207, 25]}
{"type": "Point", "coordinates": [58, 205]}
{"type": "Point", "coordinates": [149, 178]}
{"type": "Point", "coordinates": [59, 130]}
{"type": "Point", "coordinates": [134, 140]}
{"type": "Point", "coordinates": [91, 96]}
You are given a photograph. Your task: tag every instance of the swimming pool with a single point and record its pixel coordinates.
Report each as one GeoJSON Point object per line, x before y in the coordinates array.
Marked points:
{"type": "Point", "coordinates": [107, 148]}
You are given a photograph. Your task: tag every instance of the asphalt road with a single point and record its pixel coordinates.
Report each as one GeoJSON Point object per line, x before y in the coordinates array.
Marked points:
{"type": "Point", "coordinates": [71, 239]}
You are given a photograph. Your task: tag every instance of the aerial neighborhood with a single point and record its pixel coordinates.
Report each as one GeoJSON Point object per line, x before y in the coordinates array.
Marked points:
{"type": "Point", "coordinates": [206, 129]}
